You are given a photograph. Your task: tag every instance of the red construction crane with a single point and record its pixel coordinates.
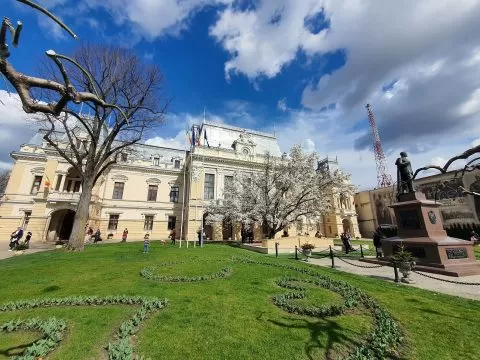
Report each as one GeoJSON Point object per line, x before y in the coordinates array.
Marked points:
{"type": "Point", "coordinates": [383, 177]}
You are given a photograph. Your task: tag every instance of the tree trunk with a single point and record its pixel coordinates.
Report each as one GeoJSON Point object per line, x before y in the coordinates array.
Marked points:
{"type": "Point", "coordinates": [77, 237]}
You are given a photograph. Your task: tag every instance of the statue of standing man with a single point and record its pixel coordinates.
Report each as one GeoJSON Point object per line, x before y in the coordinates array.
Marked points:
{"type": "Point", "coordinates": [404, 174]}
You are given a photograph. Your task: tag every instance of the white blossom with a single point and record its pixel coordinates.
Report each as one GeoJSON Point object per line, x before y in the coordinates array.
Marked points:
{"type": "Point", "coordinates": [284, 191]}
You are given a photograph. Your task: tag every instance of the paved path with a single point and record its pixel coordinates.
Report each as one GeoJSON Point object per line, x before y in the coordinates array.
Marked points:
{"type": "Point", "coordinates": [34, 247]}
{"type": "Point", "coordinates": [386, 273]}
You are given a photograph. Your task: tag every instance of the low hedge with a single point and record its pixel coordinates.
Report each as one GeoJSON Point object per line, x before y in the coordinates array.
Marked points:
{"type": "Point", "coordinates": [149, 273]}
{"type": "Point", "coordinates": [386, 336]}
{"type": "Point", "coordinates": [119, 350]}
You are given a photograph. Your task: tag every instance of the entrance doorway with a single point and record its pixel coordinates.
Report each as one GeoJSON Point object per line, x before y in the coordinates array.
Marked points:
{"type": "Point", "coordinates": [61, 224]}
{"type": "Point", "coordinates": [227, 229]}
{"type": "Point", "coordinates": [208, 229]}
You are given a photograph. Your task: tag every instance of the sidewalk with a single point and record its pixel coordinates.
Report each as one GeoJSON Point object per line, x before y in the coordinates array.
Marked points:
{"type": "Point", "coordinates": [34, 248]}
{"type": "Point", "coordinates": [386, 273]}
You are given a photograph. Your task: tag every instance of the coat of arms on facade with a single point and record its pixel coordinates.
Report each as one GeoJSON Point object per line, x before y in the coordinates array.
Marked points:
{"type": "Point", "coordinates": [432, 217]}
{"type": "Point", "coordinates": [244, 144]}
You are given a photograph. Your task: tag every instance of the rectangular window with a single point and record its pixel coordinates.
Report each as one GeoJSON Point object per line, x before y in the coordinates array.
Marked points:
{"type": "Point", "coordinates": [228, 182]}
{"type": "Point", "coordinates": [78, 144]}
{"type": "Point", "coordinates": [37, 181]}
{"type": "Point", "coordinates": [118, 190]}
{"type": "Point", "coordinates": [152, 192]}
{"type": "Point", "coordinates": [59, 182]}
{"type": "Point", "coordinates": [177, 164]}
{"type": "Point", "coordinates": [124, 157]}
{"type": "Point", "coordinates": [156, 161]}
{"type": "Point", "coordinates": [67, 186]}
{"type": "Point", "coordinates": [174, 192]}
{"type": "Point", "coordinates": [171, 222]}
{"type": "Point", "coordinates": [209, 187]}
{"type": "Point", "coordinates": [113, 222]}
{"type": "Point", "coordinates": [76, 187]}
{"type": "Point", "coordinates": [26, 219]}
{"type": "Point", "coordinates": [148, 224]}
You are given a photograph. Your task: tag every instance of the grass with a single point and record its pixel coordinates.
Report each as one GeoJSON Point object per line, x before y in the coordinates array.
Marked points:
{"type": "Point", "coordinates": [476, 251]}
{"type": "Point", "coordinates": [231, 318]}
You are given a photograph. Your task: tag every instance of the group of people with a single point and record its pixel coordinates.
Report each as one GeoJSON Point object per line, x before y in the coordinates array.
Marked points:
{"type": "Point", "coordinates": [15, 238]}
{"type": "Point", "coordinates": [95, 236]}
{"type": "Point", "coordinates": [346, 238]}
{"type": "Point", "coordinates": [247, 235]}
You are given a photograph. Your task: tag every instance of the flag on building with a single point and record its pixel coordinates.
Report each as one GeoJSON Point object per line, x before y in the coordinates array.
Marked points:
{"type": "Point", "coordinates": [205, 137]}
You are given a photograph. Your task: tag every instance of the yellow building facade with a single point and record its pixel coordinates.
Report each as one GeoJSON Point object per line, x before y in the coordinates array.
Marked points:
{"type": "Point", "coordinates": [373, 206]}
{"type": "Point", "coordinates": [151, 189]}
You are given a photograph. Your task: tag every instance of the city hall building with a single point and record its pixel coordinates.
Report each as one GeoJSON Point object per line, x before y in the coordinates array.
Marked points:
{"type": "Point", "coordinates": [152, 189]}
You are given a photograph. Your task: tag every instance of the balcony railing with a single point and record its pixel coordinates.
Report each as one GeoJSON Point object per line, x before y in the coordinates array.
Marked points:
{"type": "Point", "coordinates": [63, 196]}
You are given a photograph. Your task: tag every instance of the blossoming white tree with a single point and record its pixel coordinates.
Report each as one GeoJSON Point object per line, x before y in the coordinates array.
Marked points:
{"type": "Point", "coordinates": [284, 191]}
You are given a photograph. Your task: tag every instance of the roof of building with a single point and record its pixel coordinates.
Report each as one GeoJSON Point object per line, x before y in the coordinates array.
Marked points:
{"type": "Point", "coordinates": [223, 136]}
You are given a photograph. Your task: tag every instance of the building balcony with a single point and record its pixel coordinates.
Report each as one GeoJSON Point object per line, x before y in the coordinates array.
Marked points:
{"type": "Point", "coordinates": [63, 196]}
{"type": "Point", "coordinates": [348, 212]}
{"type": "Point", "coordinates": [68, 196]}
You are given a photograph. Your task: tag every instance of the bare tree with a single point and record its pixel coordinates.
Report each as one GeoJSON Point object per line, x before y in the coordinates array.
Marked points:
{"type": "Point", "coordinates": [4, 176]}
{"type": "Point", "coordinates": [472, 163]}
{"type": "Point", "coordinates": [121, 92]}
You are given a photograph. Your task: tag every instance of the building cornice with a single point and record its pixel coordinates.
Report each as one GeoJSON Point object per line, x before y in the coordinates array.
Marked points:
{"type": "Point", "coordinates": [28, 156]}
{"type": "Point", "coordinates": [244, 163]}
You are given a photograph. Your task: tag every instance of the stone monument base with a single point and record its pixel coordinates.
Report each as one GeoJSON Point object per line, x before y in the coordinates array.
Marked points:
{"type": "Point", "coordinates": [421, 232]}
{"type": "Point", "coordinates": [446, 256]}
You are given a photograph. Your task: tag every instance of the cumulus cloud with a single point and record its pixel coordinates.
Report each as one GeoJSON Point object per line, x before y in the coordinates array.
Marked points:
{"type": "Point", "coordinates": [16, 127]}
{"type": "Point", "coordinates": [420, 73]}
{"type": "Point", "coordinates": [147, 19]}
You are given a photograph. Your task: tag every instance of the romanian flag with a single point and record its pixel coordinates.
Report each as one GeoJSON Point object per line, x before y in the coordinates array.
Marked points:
{"type": "Point", "coordinates": [47, 181]}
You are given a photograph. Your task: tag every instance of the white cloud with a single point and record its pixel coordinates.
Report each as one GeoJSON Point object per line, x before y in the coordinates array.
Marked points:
{"type": "Point", "coordinates": [147, 19]}
{"type": "Point", "coordinates": [432, 65]}
{"type": "Point", "coordinates": [282, 105]}
{"type": "Point", "coordinates": [475, 142]}
{"type": "Point", "coordinates": [16, 127]}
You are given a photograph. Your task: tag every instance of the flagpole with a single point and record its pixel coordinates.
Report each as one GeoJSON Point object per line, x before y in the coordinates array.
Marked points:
{"type": "Point", "coordinates": [203, 170]}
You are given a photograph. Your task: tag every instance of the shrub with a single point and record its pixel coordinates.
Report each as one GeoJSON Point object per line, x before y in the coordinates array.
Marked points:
{"type": "Point", "coordinates": [307, 247]}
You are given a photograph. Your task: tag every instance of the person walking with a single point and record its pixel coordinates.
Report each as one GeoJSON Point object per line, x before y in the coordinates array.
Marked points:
{"type": "Point", "coordinates": [27, 239]}
{"type": "Point", "coordinates": [146, 243]}
{"type": "Point", "coordinates": [125, 235]}
{"type": "Point", "coordinates": [377, 242]}
{"type": "Point", "coordinates": [97, 236]}
{"type": "Point", "coordinates": [15, 238]}
{"type": "Point", "coordinates": [173, 236]}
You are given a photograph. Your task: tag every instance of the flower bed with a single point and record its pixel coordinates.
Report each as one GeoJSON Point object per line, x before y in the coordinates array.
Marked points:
{"type": "Point", "coordinates": [52, 328]}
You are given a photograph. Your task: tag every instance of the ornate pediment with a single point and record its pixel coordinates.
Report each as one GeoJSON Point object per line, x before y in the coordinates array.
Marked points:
{"type": "Point", "coordinates": [120, 177]}
{"type": "Point", "coordinates": [38, 170]}
{"type": "Point", "coordinates": [153, 181]}
{"type": "Point", "coordinates": [244, 145]}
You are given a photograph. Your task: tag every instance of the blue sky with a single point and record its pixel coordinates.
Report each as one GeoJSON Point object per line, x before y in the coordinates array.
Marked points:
{"type": "Point", "coordinates": [302, 69]}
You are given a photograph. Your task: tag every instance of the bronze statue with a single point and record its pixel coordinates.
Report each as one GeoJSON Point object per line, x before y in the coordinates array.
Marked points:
{"type": "Point", "coordinates": [404, 174]}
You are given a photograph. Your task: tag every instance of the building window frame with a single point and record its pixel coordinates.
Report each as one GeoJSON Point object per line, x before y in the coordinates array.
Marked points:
{"type": "Point", "coordinates": [148, 222]}
{"type": "Point", "coordinates": [171, 222]}
{"type": "Point", "coordinates": [27, 214]}
{"type": "Point", "coordinates": [37, 183]}
{"type": "Point", "coordinates": [113, 222]}
{"type": "Point", "coordinates": [156, 161]}
{"type": "Point", "coordinates": [176, 164]}
{"type": "Point", "coordinates": [152, 192]}
{"type": "Point", "coordinates": [118, 189]}
{"type": "Point", "coordinates": [209, 187]}
{"type": "Point", "coordinates": [59, 182]}
{"type": "Point", "coordinates": [174, 194]}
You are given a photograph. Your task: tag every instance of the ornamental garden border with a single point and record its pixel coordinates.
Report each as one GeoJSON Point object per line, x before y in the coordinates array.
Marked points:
{"type": "Point", "coordinates": [381, 343]}
{"type": "Point", "coordinates": [149, 273]}
{"type": "Point", "coordinates": [52, 328]}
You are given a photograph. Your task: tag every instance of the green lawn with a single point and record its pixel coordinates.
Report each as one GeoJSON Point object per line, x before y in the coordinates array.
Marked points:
{"type": "Point", "coordinates": [232, 317]}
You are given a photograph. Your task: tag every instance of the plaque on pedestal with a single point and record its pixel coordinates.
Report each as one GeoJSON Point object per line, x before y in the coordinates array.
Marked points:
{"type": "Point", "coordinates": [420, 230]}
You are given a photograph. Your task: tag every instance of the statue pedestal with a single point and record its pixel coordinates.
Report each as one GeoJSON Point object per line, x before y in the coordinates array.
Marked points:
{"type": "Point", "coordinates": [420, 230]}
